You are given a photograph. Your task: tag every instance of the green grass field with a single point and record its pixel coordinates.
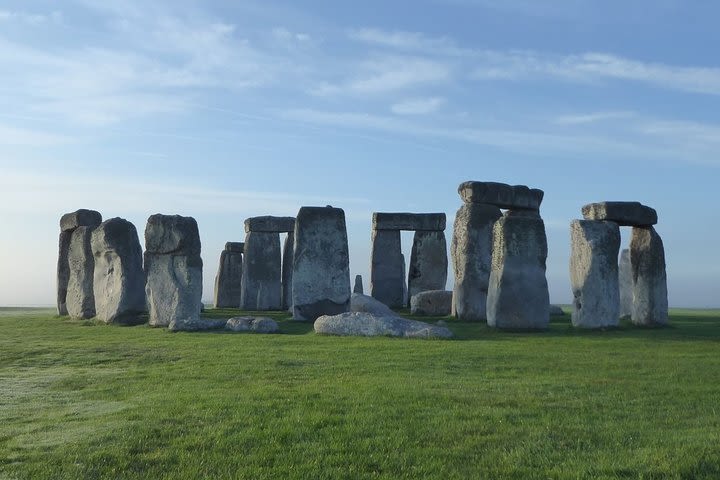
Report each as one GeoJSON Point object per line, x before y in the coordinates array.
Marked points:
{"type": "Point", "coordinates": [80, 400]}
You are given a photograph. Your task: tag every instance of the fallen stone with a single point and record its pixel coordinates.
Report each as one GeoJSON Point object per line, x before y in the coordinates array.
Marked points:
{"type": "Point", "coordinates": [633, 214]}
{"type": "Point", "coordinates": [80, 293]}
{"type": "Point", "coordinates": [253, 324]}
{"type": "Point", "coordinates": [358, 287]}
{"type": "Point", "coordinates": [626, 284]}
{"type": "Point", "coordinates": [287, 270]}
{"type": "Point", "coordinates": [428, 263]}
{"type": "Point", "coordinates": [270, 224]}
{"type": "Point", "coordinates": [80, 218]}
{"type": "Point", "coordinates": [262, 272]}
{"type": "Point", "coordinates": [364, 304]}
{"type": "Point", "coordinates": [228, 281]}
{"type": "Point", "coordinates": [197, 325]}
{"type": "Point", "coordinates": [501, 195]}
{"type": "Point", "coordinates": [556, 311]}
{"type": "Point", "coordinates": [409, 221]}
{"type": "Point", "coordinates": [436, 303]}
{"type": "Point", "coordinates": [647, 258]}
{"type": "Point", "coordinates": [369, 325]}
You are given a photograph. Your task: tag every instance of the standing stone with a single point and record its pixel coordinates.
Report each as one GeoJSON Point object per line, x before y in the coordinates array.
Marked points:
{"type": "Point", "coordinates": [387, 273]}
{"type": "Point", "coordinates": [261, 276]}
{"type": "Point", "coordinates": [321, 264]}
{"type": "Point", "coordinates": [68, 223]}
{"type": "Point", "coordinates": [594, 273]}
{"type": "Point", "coordinates": [647, 258]}
{"type": "Point", "coordinates": [119, 280]}
{"type": "Point", "coordinates": [405, 296]}
{"type": "Point", "coordinates": [174, 271]}
{"type": "Point", "coordinates": [518, 295]}
{"type": "Point", "coordinates": [428, 263]}
{"type": "Point", "coordinates": [472, 256]}
{"type": "Point", "coordinates": [287, 270]}
{"type": "Point", "coordinates": [80, 299]}
{"type": "Point", "coordinates": [358, 288]}
{"type": "Point", "coordinates": [626, 284]}
{"type": "Point", "coordinates": [228, 281]}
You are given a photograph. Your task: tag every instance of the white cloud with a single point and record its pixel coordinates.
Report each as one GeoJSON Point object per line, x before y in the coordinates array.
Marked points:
{"type": "Point", "coordinates": [417, 106]}
{"type": "Point", "coordinates": [413, 41]}
{"type": "Point", "coordinates": [585, 118]}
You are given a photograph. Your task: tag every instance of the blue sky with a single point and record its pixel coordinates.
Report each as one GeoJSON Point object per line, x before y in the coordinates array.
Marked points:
{"type": "Point", "coordinates": [225, 110]}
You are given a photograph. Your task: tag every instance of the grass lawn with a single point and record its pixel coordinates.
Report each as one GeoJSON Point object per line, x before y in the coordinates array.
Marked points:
{"type": "Point", "coordinates": [80, 400]}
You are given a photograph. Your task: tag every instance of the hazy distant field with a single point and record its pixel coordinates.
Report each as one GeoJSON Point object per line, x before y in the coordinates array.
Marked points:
{"type": "Point", "coordinates": [79, 400]}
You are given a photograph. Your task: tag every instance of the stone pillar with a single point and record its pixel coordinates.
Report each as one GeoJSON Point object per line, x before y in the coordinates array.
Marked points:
{"type": "Point", "coordinates": [428, 263]}
{"type": "Point", "coordinates": [626, 284]}
{"type": "Point", "coordinates": [119, 279]}
{"type": "Point", "coordinates": [471, 255]}
{"type": "Point", "coordinates": [518, 295]}
{"type": "Point", "coordinates": [387, 273]}
{"type": "Point", "coordinates": [406, 297]}
{"type": "Point", "coordinates": [594, 273]}
{"type": "Point", "coordinates": [68, 223]}
{"type": "Point", "coordinates": [262, 274]}
{"type": "Point", "coordinates": [647, 258]}
{"type": "Point", "coordinates": [228, 281]}
{"type": "Point", "coordinates": [80, 299]}
{"type": "Point", "coordinates": [358, 288]}
{"type": "Point", "coordinates": [321, 264]}
{"type": "Point", "coordinates": [287, 270]}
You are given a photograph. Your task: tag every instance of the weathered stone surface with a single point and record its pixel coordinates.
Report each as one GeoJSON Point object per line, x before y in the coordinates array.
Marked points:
{"type": "Point", "coordinates": [197, 325]}
{"type": "Point", "coordinates": [428, 263]}
{"type": "Point", "coordinates": [270, 224]}
{"type": "Point", "coordinates": [252, 325]}
{"type": "Point", "coordinates": [406, 297]}
{"type": "Point", "coordinates": [235, 247]}
{"type": "Point", "coordinates": [594, 273]}
{"type": "Point", "coordinates": [409, 221]}
{"type": "Point", "coordinates": [228, 281]}
{"type": "Point", "coordinates": [119, 279]}
{"type": "Point", "coordinates": [80, 218]}
{"type": "Point", "coordinates": [387, 273]}
{"type": "Point", "coordinates": [471, 252]}
{"type": "Point", "coordinates": [647, 258]}
{"type": "Point", "coordinates": [369, 325]}
{"type": "Point", "coordinates": [262, 273]}
{"type": "Point", "coordinates": [172, 234]}
{"type": "Point", "coordinates": [321, 263]}
{"type": "Point", "coordinates": [437, 303]}
{"type": "Point", "coordinates": [365, 304]}
{"type": "Point", "coordinates": [622, 213]}
{"type": "Point", "coordinates": [501, 195]}
{"type": "Point", "coordinates": [287, 270]}
{"type": "Point", "coordinates": [358, 287]}
{"type": "Point", "coordinates": [556, 311]}
{"type": "Point", "coordinates": [518, 291]}
{"type": "Point", "coordinates": [626, 284]}
{"type": "Point", "coordinates": [80, 293]}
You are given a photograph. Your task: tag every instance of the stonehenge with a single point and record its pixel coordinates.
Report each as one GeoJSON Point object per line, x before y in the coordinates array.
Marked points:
{"type": "Point", "coordinates": [80, 298]}
{"type": "Point", "coordinates": [228, 281]}
{"type": "Point", "coordinates": [435, 303]}
{"type": "Point", "coordinates": [649, 278]}
{"type": "Point", "coordinates": [428, 261]}
{"type": "Point", "coordinates": [625, 284]}
{"type": "Point", "coordinates": [358, 286]}
{"type": "Point", "coordinates": [287, 270]}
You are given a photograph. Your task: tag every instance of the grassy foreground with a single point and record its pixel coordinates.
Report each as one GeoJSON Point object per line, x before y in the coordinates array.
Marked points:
{"type": "Point", "coordinates": [79, 400]}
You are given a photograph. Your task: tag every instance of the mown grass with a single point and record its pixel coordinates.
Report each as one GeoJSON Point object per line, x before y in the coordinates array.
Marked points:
{"type": "Point", "coordinates": [81, 400]}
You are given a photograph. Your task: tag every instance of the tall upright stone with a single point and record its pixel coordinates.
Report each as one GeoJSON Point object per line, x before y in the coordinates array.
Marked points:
{"type": "Point", "coordinates": [428, 263]}
{"type": "Point", "coordinates": [405, 291]}
{"type": "Point", "coordinates": [518, 295]}
{"type": "Point", "coordinates": [321, 264]}
{"type": "Point", "coordinates": [68, 223]}
{"type": "Point", "coordinates": [647, 259]}
{"type": "Point", "coordinates": [594, 273]}
{"type": "Point", "coordinates": [119, 279]}
{"type": "Point", "coordinates": [228, 281]}
{"type": "Point", "coordinates": [626, 284]}
{"type": "Point", "coordinates": [387, 273]}
{"type": "Point", "coordinates": [174, 271]}
{"type": "Point", "coordinates": [262, 275]}
{"type": "Point", "coordinates": [471, 252]}
{"type": "Point", "coordinates": [358, 287]}
{"type": "Point", "coordinates": [287, 270]}
{"type": "Point", "coordinates": [80, 299]}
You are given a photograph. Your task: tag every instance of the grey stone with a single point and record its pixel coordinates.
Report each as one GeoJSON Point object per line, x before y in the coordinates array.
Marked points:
{"type": "Point", "coordinates": [321, 263]}
{"type": "Point", "coordinates": [622, 213]}
{"type": "Point", "coordinates": [228, 281]}
{"type": "Point", "coordinates": [358, 287]}
{"type": "Point", "coordinates": [518, 291]}
{"type": "Point", "coordinates": [262, 272]}
{"type": "Point", "coordinates": [471, 251]}
{"type": "Point", "coordinates": [235, 247]}
{"type": "Point", "coordinates": [436, 303]}
{"type": "Point", "coordinates": [369, 325]}
{"type": "Point", "coordinates": [197, 325]}
{"type": "Point", "coordinates": [428, 263]}
{"type": "Point", "coordinates": [252, 325]}
{"type": "Point", "coordinates": [501, 195]}
{"type": "Point", "coordinates": [119, 279]}
{"type": "Point", "coordinates": [650, 297]}
{"type": "Point", "coordinates": [405, 296]}
{"type": "Point", "coordinates": [594, 273]}
{"type": "Point", "coordinates": [270, 224]}
{"type": "Point", "coordinates": [409, 221]}
{"type": "Point", "coordinates": [80, 293]}
{"type": "Point", "coordinates": [364, 304]}
{"type": "Point", "coordinates": [68, 223]}
{"type": "Point", "coordinates": [80, 218]}
{"type": "Point", "coordinates": [556, 311]}
{"type": "Point", "coordinates": [287, 270]}
{"type": "Point", "coordinates": [172, 234]}
{"type": "Point", "coordinates": [387, 272]}
{"type": "Point", "coordinates": [626, 284]}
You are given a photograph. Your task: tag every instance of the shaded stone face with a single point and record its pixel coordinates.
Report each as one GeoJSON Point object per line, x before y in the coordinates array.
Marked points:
{"type": "Point", "coordinates": [228, 281]}
{"type": "Point", "coordinates": [622, 213]}
{"type": "Point", "coordinates": [647, 259]}
{"type": "Point", "coordinates": [270, 224]}
{"type": "Point", "coordinates": [409, 221]}
{"type": "Point", "coordinates": [501, 195]}
{"type": "Point", "coordinates": [80, 218]}
{"type": "Point", "coordinates": [172, 234]}
{"type": "Point", "coordinates": [235, 247]}
{"type": "Point", "coordinates": [518, 295]}
{"type": "Point", "coordinates": [626, 284]}
{"type": "Point", "coordinates": [80, 293]}
{"type": "Point", "coordinates": [68, 223]}
{"type": "Point", "coordinates": [472, 254]}
{"type": "Point", "coordinates": [321, 265]}
{"type": "Point", "coordinates": [436, 303]}
{"type": "Point", "coordinates": [428, 263]}
{"type": "Point", "coordinates": [594, 273]}
{"type": "Point", "coordinates": [287, 270]}
{"type": "Point", "coordinates": [387, 273]}
{"type": "Point", "coordinates": [358, 288]}
{"type": "Point", "coordinates": [262, 272]}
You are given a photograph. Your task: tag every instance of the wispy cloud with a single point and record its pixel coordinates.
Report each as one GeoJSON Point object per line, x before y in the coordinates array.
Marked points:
{"type": "Point", "coordinates": [410, 41]}
{"type": "Point", "coordinates": [34, 19]}
{"type": "Point", "coordinates": [585, 118]}
{"type": "Point", "coordinates": [417, 106]}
